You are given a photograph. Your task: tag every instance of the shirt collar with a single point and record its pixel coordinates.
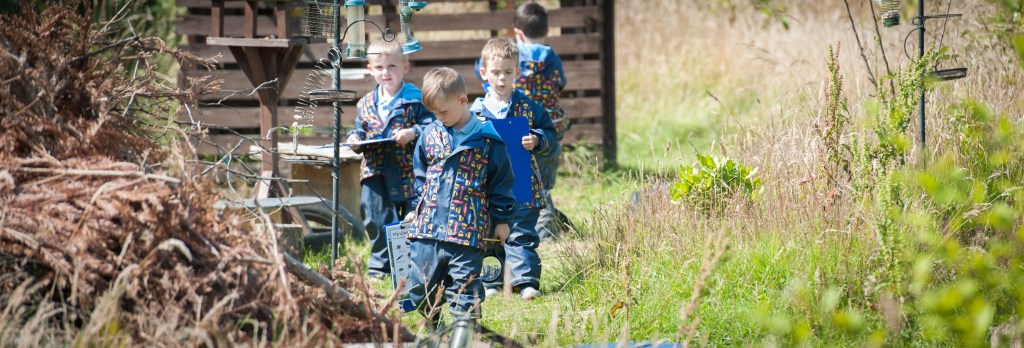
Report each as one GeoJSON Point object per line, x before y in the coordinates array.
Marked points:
{"type": "Point", "coordinates": [470, 126]}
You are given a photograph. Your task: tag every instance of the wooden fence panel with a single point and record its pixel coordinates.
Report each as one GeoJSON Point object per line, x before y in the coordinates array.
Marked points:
{"type": "Point", "coordinates": [451, 39]}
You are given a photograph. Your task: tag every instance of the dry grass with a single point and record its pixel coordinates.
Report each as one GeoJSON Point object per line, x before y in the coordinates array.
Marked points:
{"type": "Point", "coordinates": [708, 74]}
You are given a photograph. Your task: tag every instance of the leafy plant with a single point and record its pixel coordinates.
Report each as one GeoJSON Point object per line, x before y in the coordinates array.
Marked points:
{"type": "Point", "coordinates": [715, 181]}
{"type": "Point", "coordinates": [834, 124]}
{"type": "Point", "coordinates": [896, 111]}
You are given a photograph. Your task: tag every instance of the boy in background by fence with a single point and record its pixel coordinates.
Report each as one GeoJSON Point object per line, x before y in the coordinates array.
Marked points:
{"type": "Point", "coordinates": [465, 180]}
{"type": "Point", "coordinates": [500, 68]}
{"type": "Point", "coordinates": [542, 79]}
{"type": "Point", "coordinates": [393, 110]}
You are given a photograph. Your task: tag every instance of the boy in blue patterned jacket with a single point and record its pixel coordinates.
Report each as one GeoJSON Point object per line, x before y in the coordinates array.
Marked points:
{"type": "Point", "coordinates": [464, 179]}
{"type": "Point", "coordinates": [392, 110]}
{"type": "Point", "coordinates": [500, 68]}
{"type": "Point", "coordinates": [542, 79]}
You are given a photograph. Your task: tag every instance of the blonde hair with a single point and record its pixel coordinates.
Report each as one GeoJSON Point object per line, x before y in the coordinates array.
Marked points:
{"type": "Point", "coordinates": [386, 48]}
{"type": "Point", "coordinates": [499, 49]}
{"type": "Point", "coordinates": [441, 84]}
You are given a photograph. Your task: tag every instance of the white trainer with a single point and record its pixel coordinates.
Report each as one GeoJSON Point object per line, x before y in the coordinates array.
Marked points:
{"type": "Point", "coordinates": [491, 292]}
{"type": "Point", "coordinates": [529, 293]}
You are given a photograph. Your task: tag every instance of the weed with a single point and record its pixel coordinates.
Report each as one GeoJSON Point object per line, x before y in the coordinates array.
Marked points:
{"type": "Point", "coordinates": [833, 126]}
{"type": "Point", "coordinates": [713, 182]}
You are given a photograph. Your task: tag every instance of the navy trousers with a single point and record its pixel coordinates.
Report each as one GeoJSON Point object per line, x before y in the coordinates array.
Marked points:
{"type": "Point", "coordinates": [520, 251]}
{"type": "Point", "coordinates": [445, 272]}
{"type": "Point", "coordinates": [378, 211]}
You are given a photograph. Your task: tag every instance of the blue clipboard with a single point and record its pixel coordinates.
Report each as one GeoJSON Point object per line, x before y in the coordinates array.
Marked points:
{"type": "Point", "coordinates": [512, 130]}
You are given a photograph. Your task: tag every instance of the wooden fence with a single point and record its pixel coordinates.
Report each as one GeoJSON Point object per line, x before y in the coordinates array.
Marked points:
{"type": "Point", "coordinates": [582, 36]}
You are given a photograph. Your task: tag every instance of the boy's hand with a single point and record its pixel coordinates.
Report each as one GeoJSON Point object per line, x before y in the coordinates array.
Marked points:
{"type": "Point", "coordinates": [404, 136]}
{"type": "Point", "coordinates": [530, 141]}
{"type": "Point", "coordinates": [351, 139]}
{"type": "Point", "coordinates": [501, 232]}
{"type": "Point", "coordinates": [410, 216]}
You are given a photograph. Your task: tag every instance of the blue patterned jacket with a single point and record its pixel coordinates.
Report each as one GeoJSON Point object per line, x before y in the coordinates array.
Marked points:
{"type": "Point", "coordinates": [463, 189]}
{"type": "Point", "coordinates": [391, 160]}
{"type": "Point", "coordinates": [542, 78]}
{"type": "Point", "coordinates": [540, 125]}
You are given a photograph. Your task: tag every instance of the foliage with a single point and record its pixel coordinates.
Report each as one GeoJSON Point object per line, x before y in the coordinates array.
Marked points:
{"type": "Point", "coordinates": [1008, 25]}
{"type": "Point", "coordinates": [773, 10]}
{"type": "Point", "coordinates": [834, 124]}
{"type": "Point", "coordinates": [714, 181]}
{"type": "Point", "coordinates": [896, 109]}
{"type": "Point", "coordinates": [966, 276]}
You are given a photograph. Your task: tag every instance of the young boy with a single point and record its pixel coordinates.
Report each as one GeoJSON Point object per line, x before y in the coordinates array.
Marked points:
{"type": "Point", "coordinates": [500, 68]}
{"type": "Point", "coordinates": [391, 111]}
{"type": "Point", "coordinates": [542, 79]}
{"type": "Point", "coordinates": [464, 179]}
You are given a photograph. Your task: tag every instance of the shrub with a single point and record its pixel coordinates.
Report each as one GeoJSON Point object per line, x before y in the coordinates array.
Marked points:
{"type": "Point", "coordinates": [713, 182]}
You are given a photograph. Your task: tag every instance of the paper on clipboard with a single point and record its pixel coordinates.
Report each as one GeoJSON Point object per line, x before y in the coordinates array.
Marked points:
{"type": "Point", "coordinates": [401, 260]}
{"type": "Point", "coordinates": [512, 130]}
{"type": "Point", "coordinates": [368, 142]}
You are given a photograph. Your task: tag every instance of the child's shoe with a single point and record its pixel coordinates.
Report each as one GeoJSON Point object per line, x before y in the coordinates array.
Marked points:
{"type": "Point", "coordinates": [529, 293]}
{"type": "Point", "coordinates": [491, 292]}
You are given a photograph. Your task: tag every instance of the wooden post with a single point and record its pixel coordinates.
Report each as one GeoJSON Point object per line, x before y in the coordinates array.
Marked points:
{"type": "Point", "coordinates": [249, 27]}
{"type": "Point", "coordinates": [281, 14]}
{"type": "Point", "coordinates": [217, 18]}
{"type": "Point", "coordinates": [608, 82]}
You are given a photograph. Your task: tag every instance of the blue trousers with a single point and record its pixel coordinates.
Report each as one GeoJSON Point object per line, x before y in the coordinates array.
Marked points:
{"type": "Point", "coordinates": [378, 211]}
{"type": "Point", "coordinates": [449, 268]}
{"type": "Point", "coordinates": [520, 251]}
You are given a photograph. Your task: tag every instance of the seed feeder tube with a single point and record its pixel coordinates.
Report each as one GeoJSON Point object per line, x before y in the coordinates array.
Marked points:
{"type": "Point", "coordinates": [890, 12]}
{"type": "Point", "coordinates": [405, 10]}
{"type": "Point", "coordinates": [355, 14]}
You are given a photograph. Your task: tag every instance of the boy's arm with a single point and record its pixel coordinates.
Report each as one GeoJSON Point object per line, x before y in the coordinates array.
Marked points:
{"type": "Point", "coordinates": [500, 199]}
{"type": "Point", "coordinates": [419, 169]}
{"type": "Point", "coordinates": [359, 131]}
{"type": "Point", "coordinates": [423, 119]}
{"type": "Point", "coordinates": [556, 66]}
{"type": "Point", "coordinates": [544, 129]}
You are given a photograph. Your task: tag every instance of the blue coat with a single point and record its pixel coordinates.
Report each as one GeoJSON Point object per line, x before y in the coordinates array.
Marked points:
{"type": "Point", "coordinates": [464, 189]}
{"type": "Point", "coordinates": [540, 125]}
{"type": "Point", "coordinates": [542, 78]}
{"type": "Point", "coordinates": [391, 160]}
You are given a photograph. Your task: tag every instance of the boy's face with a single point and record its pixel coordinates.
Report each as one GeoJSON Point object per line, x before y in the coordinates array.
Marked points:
{"type": "Point", "coordinates": [453, 112]}
{"type": "Point", "coordinates": [501, 74]}
{"type": "Point", "coordinates": [388, 70]}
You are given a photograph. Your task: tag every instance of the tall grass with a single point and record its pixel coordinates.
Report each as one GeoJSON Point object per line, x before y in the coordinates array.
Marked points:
{"type": "Point", "coordinates": [806, 263]}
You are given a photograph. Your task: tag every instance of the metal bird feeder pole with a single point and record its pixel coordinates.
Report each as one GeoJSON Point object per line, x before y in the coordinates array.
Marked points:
{"type": "Point", "coordinates": [335, 54]}
{"type": "Point", "coordinates": [941, 75]}
{"type": "Point", "coordinates": [323, 17]}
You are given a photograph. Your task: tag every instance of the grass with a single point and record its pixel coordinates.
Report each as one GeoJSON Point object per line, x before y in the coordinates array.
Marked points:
{"type": "Point", "coordinates": [802, 267]}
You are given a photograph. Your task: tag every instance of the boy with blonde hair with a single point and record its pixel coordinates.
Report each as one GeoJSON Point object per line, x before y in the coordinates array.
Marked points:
{"type": "Point", "coordinates": [500, 69]}
{"type": "Point", "coordinates": [464, 181]}
{"type": "Point", "coordinates": [393, 110]}
{"type": "Point", "coordinates": [542, 79]}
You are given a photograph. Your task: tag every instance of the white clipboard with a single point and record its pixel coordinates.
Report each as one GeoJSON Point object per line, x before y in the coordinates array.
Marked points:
{"type": "Point", "coordinates": [401, 260]}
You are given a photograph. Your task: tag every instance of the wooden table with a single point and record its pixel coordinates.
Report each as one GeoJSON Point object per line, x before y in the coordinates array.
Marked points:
{"type": "Point", "coordinates": [313, 163]}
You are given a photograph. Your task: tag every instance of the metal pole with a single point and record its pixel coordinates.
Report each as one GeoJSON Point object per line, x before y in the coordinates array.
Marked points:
{"type": "Point", "coordinates": [920, 46]}
{"type": "Point", "coordinates": [336, 168]}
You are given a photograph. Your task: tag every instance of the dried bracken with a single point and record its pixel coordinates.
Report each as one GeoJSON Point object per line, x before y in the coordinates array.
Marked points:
{"type": "Point", "coordinates": [101, 242]}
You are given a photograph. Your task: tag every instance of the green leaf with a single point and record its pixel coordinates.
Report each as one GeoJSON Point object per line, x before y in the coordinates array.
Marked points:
{"type": "Point", "coordinates": [706, 161]}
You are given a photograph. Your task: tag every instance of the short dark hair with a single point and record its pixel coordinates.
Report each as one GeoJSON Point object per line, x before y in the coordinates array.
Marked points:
{"type": "Point", "coordinates": [532, 19]}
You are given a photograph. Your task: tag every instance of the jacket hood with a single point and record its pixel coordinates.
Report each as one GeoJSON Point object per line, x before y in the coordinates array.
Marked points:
{"type": "Point", "coordinates": [408, 94]}
{"type": "Point", "coordinates": [534, 52]}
